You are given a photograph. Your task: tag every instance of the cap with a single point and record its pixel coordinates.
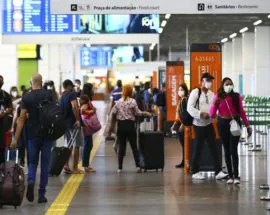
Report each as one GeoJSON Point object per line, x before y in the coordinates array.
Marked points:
{"type": "Point", "coordinates": [68, 83]}
{"type": "Point", "coordinates": [207, 76]}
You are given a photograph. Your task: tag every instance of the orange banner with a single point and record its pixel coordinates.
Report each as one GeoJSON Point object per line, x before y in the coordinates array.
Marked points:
{"type": "Point", "coordinates": [155, 79]}
{"type": "Point", "coordinates": [206, 58]}
{"type": "Point", "coordinates": [174, 77]}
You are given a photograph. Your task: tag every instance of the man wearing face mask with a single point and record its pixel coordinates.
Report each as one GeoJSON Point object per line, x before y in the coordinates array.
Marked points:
{"type": "Point", "coordinates": [5, 109]}
{"type": "Point", "coordinates": [199, 104]}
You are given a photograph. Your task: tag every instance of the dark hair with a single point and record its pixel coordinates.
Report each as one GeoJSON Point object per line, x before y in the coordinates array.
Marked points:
{"type": "Point", "coordinates": [119, 83]}
{"type": "Point", "coordinates": [67, 83]}
{"type": "Point", "coordinates": [88, 90]}
{"type": "Point", "coordinates": [1, 77]}
{"type": "Point", "coordinates": [84, 99]}
{"type": "Point", "coordinates": [235, 96]}
{"type": "Point", "coordinates": [78, 81]}
{"type": "Point", "coordinates": [185, 88]}
{"type": "Point", "coordinates": [155, 91]}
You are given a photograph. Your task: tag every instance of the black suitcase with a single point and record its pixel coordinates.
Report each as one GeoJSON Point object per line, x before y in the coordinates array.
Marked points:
{"type": "Point", "coordinates": [151, 145]}
{"type": "Point", "coordinates": [206, 162]}
{"type": "Point", "coordinates": [60, 156]}
{"type": "Point", "coordinates": [12, 182]}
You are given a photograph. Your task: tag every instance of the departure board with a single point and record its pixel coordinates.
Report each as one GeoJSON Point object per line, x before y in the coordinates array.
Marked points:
{"type": "Point", "coordinates": [34, 17]}
{"type": "Point", "coordinates": [96, 57]}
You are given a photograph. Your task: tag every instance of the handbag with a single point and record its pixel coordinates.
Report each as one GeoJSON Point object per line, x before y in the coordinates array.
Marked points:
{"type": "Point", "coordinates": [235, 128]}
{"type": "Point", "coordinates": [91, 124]}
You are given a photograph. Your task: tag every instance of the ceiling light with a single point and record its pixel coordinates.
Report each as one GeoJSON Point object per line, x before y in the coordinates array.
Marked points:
{"type": "Point", "coordinates": [257, 22]}
{"type": "Point", "coordinates": [224, 40]}
{"type": "Point", "coordinates": [243, 30]}
{"type": "Point", "coordinates": [268, 16]}
{"type": "Point", "coordinates": [164, 23]}
{"type": "Point", "coordinates": [233, 35]}
{"type": "Point", "coordinates": [168, 16]}
{"type": "Point", "coordinates": [152, 46]}
{"type": "Point", "coordinates": [160, 30]}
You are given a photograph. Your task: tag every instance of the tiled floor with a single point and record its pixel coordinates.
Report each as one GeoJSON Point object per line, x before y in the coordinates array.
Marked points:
{"type": "Point", "coordinates": [168, 193]}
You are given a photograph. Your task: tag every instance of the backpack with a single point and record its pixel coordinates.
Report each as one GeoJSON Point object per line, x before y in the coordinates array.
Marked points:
{"type": "Point", "coordinates": [186, 118]}
{"type": "Point", "coordinates": [51, 119]}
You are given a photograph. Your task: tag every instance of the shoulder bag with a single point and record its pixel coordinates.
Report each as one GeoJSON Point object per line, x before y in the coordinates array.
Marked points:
{"type": "Point", "coordinates": [235, 128]}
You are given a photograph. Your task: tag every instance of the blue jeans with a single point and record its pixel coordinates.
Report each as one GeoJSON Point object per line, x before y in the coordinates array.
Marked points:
{"type": "Point", "coordinates": [35, 147]}
{"type": "Point", "coordinates": [87, 148]}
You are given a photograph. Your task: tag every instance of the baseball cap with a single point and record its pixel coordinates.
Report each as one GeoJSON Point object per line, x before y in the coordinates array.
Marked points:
{"type": "Point", "coordinates": [68, 83]}
{"type": "Point", "coordinates": [207, 76]}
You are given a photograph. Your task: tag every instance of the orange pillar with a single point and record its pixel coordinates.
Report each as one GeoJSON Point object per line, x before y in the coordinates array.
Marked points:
{"type": "Point", "coordinates": [187, 141]}
{"type": "Point", "coordinates": [159, 119]}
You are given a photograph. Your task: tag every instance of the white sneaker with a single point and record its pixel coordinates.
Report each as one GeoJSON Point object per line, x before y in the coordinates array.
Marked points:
{"type": "Point", "coordinates": [221, 175]}
{"type": "Point", "coordinates": [236, 181]}
{"type": "Point", "coordinates": [119, 171]}
{"type": "Point", "coordinates": [198, 176]}
{"type": "Point", "coordinates": [230, 181]}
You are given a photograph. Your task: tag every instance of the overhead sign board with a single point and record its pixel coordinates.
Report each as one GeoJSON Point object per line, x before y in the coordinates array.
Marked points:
{"type": "Point", "coordinates": [159, 6]}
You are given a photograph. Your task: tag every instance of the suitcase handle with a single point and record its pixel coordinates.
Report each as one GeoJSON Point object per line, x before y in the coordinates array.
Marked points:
{"type": "Point", "coordinates": [17, 156]}
{"type": "Point", "coordinates": [73, 137]}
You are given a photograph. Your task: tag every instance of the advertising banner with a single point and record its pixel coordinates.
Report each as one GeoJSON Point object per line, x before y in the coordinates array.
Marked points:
{"type": "Point", "coordinates": [159, 6]}
{"type": "Point", "coordinates": [174, 77]}
{"type": "Point", "coordinates": [205, 58]}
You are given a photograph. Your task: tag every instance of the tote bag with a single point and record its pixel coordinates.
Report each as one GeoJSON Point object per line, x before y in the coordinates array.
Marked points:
{"type": "Point", "coordinates": [91, 123]}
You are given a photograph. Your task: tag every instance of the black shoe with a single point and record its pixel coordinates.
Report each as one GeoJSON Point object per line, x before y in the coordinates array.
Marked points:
{"type": "Point", "coordinates": [179, 166]}
{"type": "Point", "coordinates": [30, 193]}
{"type": "Point", "coordinates": [42, 199]}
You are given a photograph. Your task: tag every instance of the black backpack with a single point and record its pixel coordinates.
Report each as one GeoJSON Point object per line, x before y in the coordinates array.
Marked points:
{"type": "Point", "coordinates": [52, 120]}
{"type": "Point", "coordinates": [186, 118]}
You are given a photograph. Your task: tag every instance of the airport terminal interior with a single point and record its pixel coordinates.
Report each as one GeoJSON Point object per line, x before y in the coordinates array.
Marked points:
{"type": "Point", "coordinates": [185, 95]}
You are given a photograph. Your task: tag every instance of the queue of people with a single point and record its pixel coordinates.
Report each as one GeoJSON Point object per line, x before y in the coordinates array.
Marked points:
{"type": "Point", "coordinates": [128, 104]}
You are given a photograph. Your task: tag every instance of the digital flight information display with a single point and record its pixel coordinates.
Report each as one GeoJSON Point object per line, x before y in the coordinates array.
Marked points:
{"type": "Point", "coordinates": [34, 17]}
{"type": "Point", "coordinates": [96, 57]}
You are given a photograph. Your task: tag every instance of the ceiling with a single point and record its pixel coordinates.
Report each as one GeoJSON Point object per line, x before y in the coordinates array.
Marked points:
{"type": "Point", "coordinates": [204, 29]}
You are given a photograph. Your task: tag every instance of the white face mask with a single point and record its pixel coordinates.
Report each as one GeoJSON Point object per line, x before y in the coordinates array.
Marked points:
{"type": "Point", "coordinates": [49, 87]}
{"type": "Point", "coordinates": [149, 91]}
{"type": "Point", "coordinates": [208, 85]}
{"type": "Point", "coordinates": [181, 93]}
{"type": "Point", "coordinates": [228, 88]}
{"type": "Point", "coordinates": [14, 94]}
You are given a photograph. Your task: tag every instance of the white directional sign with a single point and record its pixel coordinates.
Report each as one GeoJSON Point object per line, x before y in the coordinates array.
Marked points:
{"type": "Point", "coordinates": [159, 6]}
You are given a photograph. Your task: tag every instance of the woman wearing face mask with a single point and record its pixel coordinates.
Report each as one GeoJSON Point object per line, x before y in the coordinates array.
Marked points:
{"type": "Point", "coordinates": [14, 93]}
{"type": "Point", "coordinates": [182, 106]}
{"type": "Point", "coordinates": [229, 106]}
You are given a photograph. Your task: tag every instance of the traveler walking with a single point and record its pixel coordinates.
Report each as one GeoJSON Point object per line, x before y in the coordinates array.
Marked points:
{"type": "Point", "coordinates": [229, 106]}
{"type": "Point", "coordinates": [87, 110]}
{"type": "Point", "coordinates": [37, 142]}
{"type": "Point", "coordinates": [178, 125]}
{"type": "Point", "coordinates": [198, 107]}
{"type": "Point", "coordinates": [125, 110]}
{"type": "Point", "coordinates": [70, 107]}
{"type": "Point", "coordinates": [5, 110]}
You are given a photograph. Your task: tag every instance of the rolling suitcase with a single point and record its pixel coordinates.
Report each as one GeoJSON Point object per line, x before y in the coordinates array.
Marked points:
{"type": "Point", "coordinates": [12, 182]}
{"type": "Point", "coordinates": [151, 146]}
{"type": "Point", "coordinates": [60, 156]}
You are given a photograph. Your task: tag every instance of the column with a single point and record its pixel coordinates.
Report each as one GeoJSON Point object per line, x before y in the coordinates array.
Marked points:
{"type": "Point", "coordinates": [237, 64]}
{"type": "Point", "coordinates": [262, 61]}
{"type": "Point", "coordinates": [227, 58]}
{"type": "Point", "coordinates": [248, 61]}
